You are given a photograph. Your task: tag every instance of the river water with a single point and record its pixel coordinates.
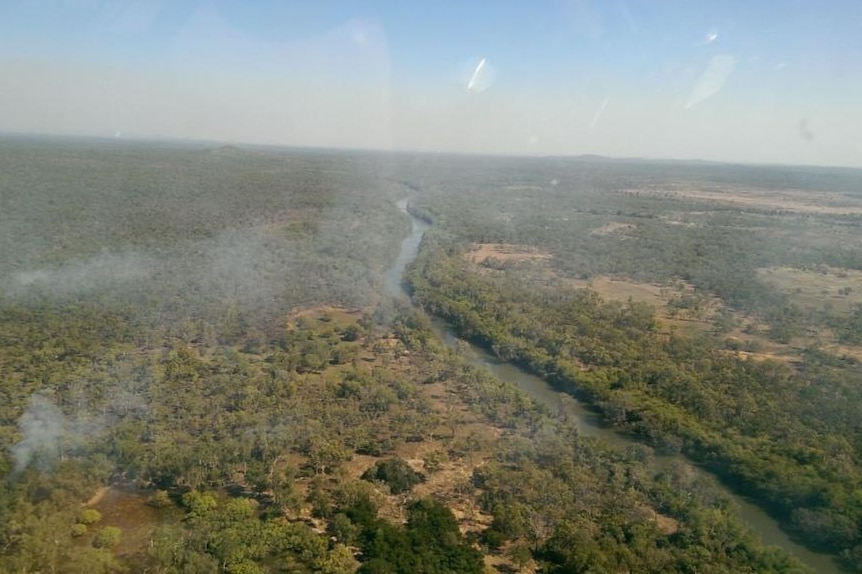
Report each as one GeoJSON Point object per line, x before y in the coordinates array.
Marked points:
{"type": "Point", "coordinates": [590, 423]}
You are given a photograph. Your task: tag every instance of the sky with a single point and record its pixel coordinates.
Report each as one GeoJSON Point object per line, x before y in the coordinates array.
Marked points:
{"type": "Point", "coordinates": [742, 81]}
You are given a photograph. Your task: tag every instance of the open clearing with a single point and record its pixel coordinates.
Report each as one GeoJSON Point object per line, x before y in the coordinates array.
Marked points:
{"type": "Point", "coordinates": [822, 289]}
{"type": "Point", "coordinates": [792, 200]}
{"type": "Point", "coordinates": [678, 306]}
{"type": "Point", "coordinates": [614, 227]}
{"type": "Point", "coordinates": [505, 252]}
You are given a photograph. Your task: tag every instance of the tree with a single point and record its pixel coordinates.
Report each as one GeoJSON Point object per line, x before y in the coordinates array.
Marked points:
{"type": "Point", "coordinates": [395, 473]}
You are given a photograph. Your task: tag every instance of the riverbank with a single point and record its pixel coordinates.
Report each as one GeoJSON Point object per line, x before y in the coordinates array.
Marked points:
{"type": "Point", "coordinates": [759, 521]}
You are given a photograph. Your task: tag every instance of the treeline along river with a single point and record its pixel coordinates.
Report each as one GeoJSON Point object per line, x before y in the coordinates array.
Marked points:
{"type": "Point", "coordinates": [590, 423]}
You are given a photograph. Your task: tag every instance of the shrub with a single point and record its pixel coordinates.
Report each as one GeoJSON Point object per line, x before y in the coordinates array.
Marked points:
{"type": "Point", "coordinates": [108, 537]}
{"type": "Point", "coordinates": [159, 499]}
{"type": "Point", "coordinates": [89, 516]}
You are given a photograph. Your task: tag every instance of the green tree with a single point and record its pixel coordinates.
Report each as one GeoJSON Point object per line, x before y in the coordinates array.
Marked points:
{"type": "Point", "coordinates": [395, 473]}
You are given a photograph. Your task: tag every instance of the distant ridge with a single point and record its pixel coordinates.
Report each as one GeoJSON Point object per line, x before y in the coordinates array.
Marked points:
{"type": "Point", "coordinates": [227, 149]}
{"type": "Point", "coordinates": [606, 158]}
{"type": "Point", "coordinates": [595, 157]}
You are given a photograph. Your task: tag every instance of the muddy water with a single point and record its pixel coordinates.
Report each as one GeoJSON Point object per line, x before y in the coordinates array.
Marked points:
{"type": "Point", "coordinates": [590, 424]}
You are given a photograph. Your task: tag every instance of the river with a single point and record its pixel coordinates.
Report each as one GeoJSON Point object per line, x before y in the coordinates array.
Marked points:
{"type": "Point", "coordinates": [589, 422]}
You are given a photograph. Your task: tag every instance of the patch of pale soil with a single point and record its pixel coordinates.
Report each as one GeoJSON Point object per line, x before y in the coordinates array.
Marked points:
{"type": "Point", "coordinates": [678, 223]}
{"type": "Point", "coordinates": [792, 200]}
{"type": "Point", "coordinates": [620, 290]}
{"type": "Point", "coordinates": [613, 227]}
{"type": "Point", "coordinates": [764, 348]}
{"type": "Point", "coordinates": [98, 496]}
{"type": "Point", "coordinates": [505, 252]}
{"type": "Point", "coordinates": [844, 350]}
{"type": "Point", "coordinates": [666, 524]}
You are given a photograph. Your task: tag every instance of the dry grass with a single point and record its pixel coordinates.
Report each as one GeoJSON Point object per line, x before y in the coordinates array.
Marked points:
{"type": "Point", "coordinates": [790, 200]}
{"type": "Point", "coordinates": [125, 507]}
{"type": "Point", "coordinates": [823, 289]}
{"type": "Point", "coordinates": [699, 319]}
{"type": "Point", "coordinates": [840, 350]}
{"type": "Point", "coordinates": [620, 290]}
{"type": "Point", "coordinates": [505, 252]}
{"type": "Point", "coordinates": [614, 227]}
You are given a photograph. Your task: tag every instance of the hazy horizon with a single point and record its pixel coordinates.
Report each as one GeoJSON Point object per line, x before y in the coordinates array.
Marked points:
{"type": "Point", "coordinates": [216, 145]}
{"type": "Point", "coordinates": [771, 84]}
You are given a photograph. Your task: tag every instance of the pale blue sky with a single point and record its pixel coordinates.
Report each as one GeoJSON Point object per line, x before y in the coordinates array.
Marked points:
{"type": "Point", "coordinates": [763, 81]}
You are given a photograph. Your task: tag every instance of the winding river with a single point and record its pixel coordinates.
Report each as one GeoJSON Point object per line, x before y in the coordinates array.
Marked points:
{"type": "Point", "coordinates": [590, 423]}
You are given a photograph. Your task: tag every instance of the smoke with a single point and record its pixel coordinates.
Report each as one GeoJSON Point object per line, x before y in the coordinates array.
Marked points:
{"type": "Point", "coordinates": [244, 266]}
{"type": "Point", "coordinates": [42, 427]}
{"type": "Point", "coordinates": [47, 434]}
{"type": "Point", "coordinates": [76, 277]}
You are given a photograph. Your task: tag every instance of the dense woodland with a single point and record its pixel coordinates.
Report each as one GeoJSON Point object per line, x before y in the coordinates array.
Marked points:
{"type": "Point", "coordinates": [202, 333]}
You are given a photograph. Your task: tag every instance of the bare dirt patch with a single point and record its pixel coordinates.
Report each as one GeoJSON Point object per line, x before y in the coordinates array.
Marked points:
{"type": "Point", "coordinates": [620, 290]}
{"type": "Point", "coordinates": [844, 351]}
{"type": "Point", "coordinates": [126, 508]}
{"type": "Point", "coordinates": [505, 252]}
{"type": "Point", "coordinates": [98, 496]}
{"type": "Point", "coordinates": [665, 524]}
{"type": "Point", "coordinates": [790, 200]}
{"type": "Point", "coordinates": [614, 227]}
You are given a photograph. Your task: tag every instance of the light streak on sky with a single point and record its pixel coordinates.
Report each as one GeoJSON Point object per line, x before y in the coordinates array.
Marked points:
{"type": "Point", "coordinates": [599, 113]}
{"type": "Point", "coordinates": [712, 80]}
{"type": "Point", "coordinates": [476, 73]}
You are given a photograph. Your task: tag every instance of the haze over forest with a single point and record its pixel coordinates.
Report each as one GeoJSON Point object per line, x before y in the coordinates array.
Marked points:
{"type": "Point", "coordinates": [209, 364]}
{"type": "Point", "coordinates": [384, 288]}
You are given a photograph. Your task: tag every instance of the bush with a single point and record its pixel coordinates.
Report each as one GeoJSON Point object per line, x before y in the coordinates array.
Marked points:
{"type": "Point", "coordinates": [89, 516]}
{"type": "Point", "coordinates": [159, 499]}
{"type": "Point", "coordinates": [108, 537]}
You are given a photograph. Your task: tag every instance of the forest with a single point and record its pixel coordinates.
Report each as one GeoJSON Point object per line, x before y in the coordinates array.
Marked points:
{"type": "Point", "coordinates": [202, 371]}
{"type": "Point", "coordinates": [756, 383]}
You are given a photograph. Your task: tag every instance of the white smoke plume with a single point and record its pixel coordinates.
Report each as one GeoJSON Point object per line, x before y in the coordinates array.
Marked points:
{"type": "Point", "coordinates": [42, 427]}
{"type": "Point", "coordinates": [47, 434]}
{"type": "Point", "coordinates": [103, 270]}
